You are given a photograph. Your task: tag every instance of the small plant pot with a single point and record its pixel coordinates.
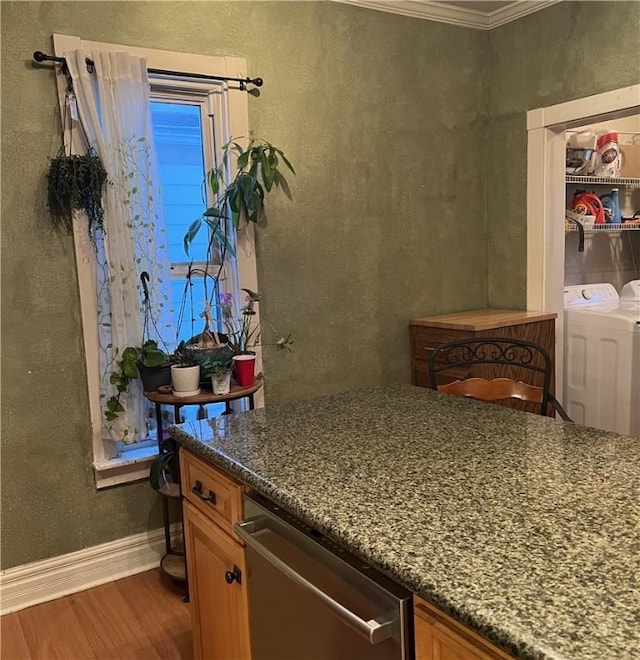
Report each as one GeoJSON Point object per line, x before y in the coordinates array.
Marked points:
{"type": "Point", "coordinates": [185, 379]}
{"type": "Point", "coordinates": [221, 384]}
{"type": "Point", "coordinates": [153, 378]}
{"type": "Point", "coordinates": [244, 367]}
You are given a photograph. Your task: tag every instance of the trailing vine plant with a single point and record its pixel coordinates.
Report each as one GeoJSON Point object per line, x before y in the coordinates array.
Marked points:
{"type": "Point", "coordinates": [75, 182]}
{"type": "Point", "coordinates": [128, 363]}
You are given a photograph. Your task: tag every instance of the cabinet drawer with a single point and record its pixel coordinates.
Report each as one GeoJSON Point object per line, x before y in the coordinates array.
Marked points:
{"type": "Point", "coordinates": [209, 489]}
{"type": "Point", "coordinates": [423, 339]}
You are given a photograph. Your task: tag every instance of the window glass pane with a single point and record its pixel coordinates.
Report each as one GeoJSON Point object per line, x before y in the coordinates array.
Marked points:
{"type": "Point", "coordinates": [178, 135]}
{"type": "Point", "coordinates": [188, 299]}
{"type": "Point", "coordinates": [177, 130]}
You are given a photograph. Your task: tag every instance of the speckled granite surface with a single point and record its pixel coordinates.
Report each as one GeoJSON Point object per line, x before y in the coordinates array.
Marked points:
{"type": "Point", "coordinates": [524, 528]}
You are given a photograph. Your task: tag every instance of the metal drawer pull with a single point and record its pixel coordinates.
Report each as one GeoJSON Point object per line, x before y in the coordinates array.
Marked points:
{"type": "Point", "coordinates": [197, 490]}
{"type": "Point", "coordinates": [375, 630]}
{"type": "Point", "coordinates": [233, 576]}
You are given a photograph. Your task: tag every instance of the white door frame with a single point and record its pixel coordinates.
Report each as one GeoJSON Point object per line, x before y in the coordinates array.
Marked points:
{"type": "Point", "coordinates": [546, 196]}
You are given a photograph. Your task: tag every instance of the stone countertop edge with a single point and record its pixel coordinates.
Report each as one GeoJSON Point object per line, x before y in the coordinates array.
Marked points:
{"type": "Point", "coordinates": [236, 442]}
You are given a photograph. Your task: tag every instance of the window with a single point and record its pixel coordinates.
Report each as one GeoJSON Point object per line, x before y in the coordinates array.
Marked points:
{"type": "Point", "coordinates": [190, 120]}
{"type": "Point", "coordinates": [183, 138]}
{"type": "Point", "coordinates": [180, 147]}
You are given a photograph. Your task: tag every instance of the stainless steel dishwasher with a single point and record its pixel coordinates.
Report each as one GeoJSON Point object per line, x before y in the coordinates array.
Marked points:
{"type": "Point", "coordinates": [309, 599]}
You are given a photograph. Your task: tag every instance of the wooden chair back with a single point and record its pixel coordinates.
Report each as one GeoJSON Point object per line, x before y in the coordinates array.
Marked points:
{"type": "Point", "coordinates": [495, 369]}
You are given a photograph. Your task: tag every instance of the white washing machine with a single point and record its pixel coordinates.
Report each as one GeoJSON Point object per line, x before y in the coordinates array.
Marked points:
{"type": "Point", "coordinates": [630, 292]}
{"type": "Point", "coordinates": [602, 356]}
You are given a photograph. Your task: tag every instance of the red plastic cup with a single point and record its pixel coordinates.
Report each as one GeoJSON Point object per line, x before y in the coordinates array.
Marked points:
{"type": "Point", "coordinates": [245, 367]}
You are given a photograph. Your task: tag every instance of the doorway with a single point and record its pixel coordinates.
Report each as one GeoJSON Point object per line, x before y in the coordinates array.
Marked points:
{"type": "Point", "coordinates": [546, 196]}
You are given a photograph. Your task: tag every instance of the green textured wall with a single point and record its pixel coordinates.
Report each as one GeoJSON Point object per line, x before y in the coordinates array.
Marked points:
{"type": "Point", "coordinates": [407, 136]}
{"type": "Point", "coordinates": [384, 118]}
{"type": "Point", "coordinates": [570, 50]}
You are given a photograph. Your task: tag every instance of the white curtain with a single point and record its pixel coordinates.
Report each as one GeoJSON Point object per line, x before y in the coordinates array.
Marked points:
{"type": "Point", "coordinates": [113, 106]}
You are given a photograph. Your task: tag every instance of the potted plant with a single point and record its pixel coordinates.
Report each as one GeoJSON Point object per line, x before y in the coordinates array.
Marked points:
{"type": "Point", "coordinates": [220, 374]}
{"type": "Point", "coordinates": [76, 182]}
{"type": "Point", "coordinates": [185, 372]}
{"type": "Point", "coordinates": [164, 474]}
{"type": "Point", "coordinates": [244, 334]}
{"type": "Point", "coordinates": [149, 362]}
{"type": "Point", "coordinates": [258, 169]}
{"type": "Point", "coordinates": [257, 172]}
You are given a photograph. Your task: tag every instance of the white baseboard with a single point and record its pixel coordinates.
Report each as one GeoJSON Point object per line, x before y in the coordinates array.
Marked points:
{"type": "Point", "coordinates": [46, 580]}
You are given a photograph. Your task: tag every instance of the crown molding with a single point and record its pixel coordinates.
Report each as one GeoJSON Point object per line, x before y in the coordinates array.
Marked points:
{"type": "Point", "coordinates": [441, 12]}
{"type": "Point", "coordinates": [517, 10]}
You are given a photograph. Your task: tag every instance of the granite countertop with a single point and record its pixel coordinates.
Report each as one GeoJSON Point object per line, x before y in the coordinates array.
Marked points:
{"type": "Point", "coordinates": [524, 528]}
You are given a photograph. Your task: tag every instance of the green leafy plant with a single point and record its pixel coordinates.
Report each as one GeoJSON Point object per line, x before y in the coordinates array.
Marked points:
{"type": "Point", "coordinates": [258, 170]}
{"type": "Point", "coordinates": [76, 182]}
{"type": "Point", "coordinates": [220, 369]}
{"type": "Point", "coordinates": [128, 369]}
{"type": "Point", "coordinates": [165, 471]}
{"type": "Point", "coordinates": [183, 355]}
{"type": "Point", "coordinates": [215, 362]}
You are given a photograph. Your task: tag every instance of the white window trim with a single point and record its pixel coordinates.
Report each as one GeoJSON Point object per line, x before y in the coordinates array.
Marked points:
{"type": "Point", "coordinates": [111, 471]}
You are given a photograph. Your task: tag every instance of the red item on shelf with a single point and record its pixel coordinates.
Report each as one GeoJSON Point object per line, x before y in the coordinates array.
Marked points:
{"type": "Point", "coordinates": [589, 204]}
{"type": "Point", "coordinates": [244, 367]}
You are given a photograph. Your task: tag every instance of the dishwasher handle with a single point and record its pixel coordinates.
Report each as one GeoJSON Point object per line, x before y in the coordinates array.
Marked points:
{"type": "Point", "coordinates": [375, 630]}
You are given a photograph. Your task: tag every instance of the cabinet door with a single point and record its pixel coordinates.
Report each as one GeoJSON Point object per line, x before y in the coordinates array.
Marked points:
{"type": "Point", "coordinates": [219, 611]}
{"type": "Point", "coordinates": [437, 637]}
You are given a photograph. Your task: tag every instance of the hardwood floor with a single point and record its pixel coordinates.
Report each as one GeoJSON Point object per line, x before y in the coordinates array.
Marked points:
{"type": "Point", "coordinates": [141, 617]}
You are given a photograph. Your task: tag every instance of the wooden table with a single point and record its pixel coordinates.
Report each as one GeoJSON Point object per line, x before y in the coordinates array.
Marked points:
{"type": "Point", "coordinates": [165, 397]}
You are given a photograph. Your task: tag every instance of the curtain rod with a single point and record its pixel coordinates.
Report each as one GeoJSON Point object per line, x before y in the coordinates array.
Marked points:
{"type": "Point", "coordinates": [40, 57]}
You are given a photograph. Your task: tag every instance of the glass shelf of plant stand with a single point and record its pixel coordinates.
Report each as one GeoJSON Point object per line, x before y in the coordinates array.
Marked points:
{"type": "Point", "coordinates": [627, 182]}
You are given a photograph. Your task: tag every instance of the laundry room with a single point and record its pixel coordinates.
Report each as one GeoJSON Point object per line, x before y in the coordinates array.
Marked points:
{"type": "Point", "coordinates": [602, 275]}
{"type": "Point", "coordinates": [607, 197]}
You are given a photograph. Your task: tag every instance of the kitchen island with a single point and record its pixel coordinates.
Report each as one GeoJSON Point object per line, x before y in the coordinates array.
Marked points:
{"type": "Point", "coordinates": [523, 528]}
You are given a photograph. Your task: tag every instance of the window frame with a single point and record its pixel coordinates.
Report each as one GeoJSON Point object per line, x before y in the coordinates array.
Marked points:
{"type": "Point", "coordinates": [232, 105]}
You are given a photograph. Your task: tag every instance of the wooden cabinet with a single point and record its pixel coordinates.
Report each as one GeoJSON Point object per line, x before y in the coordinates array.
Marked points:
{"type": "Point", "coordinates": [428, 332]}
{"type": "Point", "coordinates": [439, 637]}
{"type": "Point", "coordinates": [215, 561]}
{"type": "Point", "coordinates": [217, 574]}
{"type": "Point", "coordinates": [211, 491]}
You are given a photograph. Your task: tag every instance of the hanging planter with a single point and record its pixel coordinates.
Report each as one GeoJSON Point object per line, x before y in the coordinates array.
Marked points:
{"type": "Point", "coordinates": [76, 183]}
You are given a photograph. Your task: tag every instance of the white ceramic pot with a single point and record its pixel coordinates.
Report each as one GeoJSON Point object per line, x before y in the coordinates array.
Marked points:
{"type": "Point", "coordinates": [185, 380]}
{"type": "Point", "coordinates": [221, 384]}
